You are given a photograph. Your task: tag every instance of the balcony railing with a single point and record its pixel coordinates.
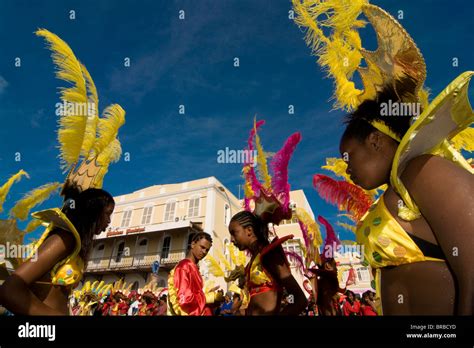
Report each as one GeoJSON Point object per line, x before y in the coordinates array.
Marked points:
{"type": "Point", "coordinates": [136, 261]}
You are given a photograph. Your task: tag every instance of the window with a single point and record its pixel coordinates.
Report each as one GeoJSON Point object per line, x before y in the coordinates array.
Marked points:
{"type": "Point", "coordinates": [99, 252]}
{"type": "Point", "coordinates": [120, 249]}
{"type": "Point", "coordinates": [169, 211]}
{"type": "Point", "coordinates": [142, 246]}
{"type": "Point", "coordinates": [193, 208]}
{"type": "Point", "coordinates": [363, 274]}
{"type": "Point", "coordinates": [147, 214]}
{"type": "Point", "coordinates": [135, 285]}
{"type": "Point", "coordinates": [165, 250]}
{"type": "Point", "coordinates": [127, 215]}
{"type": "Point", "coordinates": [190, 240]}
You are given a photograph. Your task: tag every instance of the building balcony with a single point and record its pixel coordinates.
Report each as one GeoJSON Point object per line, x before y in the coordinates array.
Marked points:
{"type": "Point", "coordinates": [138, 261]}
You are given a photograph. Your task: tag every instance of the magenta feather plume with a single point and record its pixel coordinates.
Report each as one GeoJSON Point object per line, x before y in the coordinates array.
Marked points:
{"type": "Point", "coordinates": [304, 232]}
{"type": "Point", "coordinates": [295, 257]}
{"type": "Point", "coordinates": [331, 238]}
{"type": "Point", "coordinates": [279, 165]}
{"type": "Point", "coordinates": [249, 168]}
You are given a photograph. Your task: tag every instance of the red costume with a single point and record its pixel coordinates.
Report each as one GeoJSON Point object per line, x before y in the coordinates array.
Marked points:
{"type": "Point", "coordinates": [185, 291]}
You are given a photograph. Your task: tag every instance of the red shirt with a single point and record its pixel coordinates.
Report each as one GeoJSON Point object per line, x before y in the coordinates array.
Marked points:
{"type": "Point", "coordinates": [348, 309]}
{"type": "Point", "coordinates": [367, 310]}
{"type": "Point", "coordinates": [189, 285]}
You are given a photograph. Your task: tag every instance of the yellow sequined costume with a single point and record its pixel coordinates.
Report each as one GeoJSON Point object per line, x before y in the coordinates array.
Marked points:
{"type": "Point", "coordinates": [68, 271]}
{"type": "Point", "coordinates": [442, 129]}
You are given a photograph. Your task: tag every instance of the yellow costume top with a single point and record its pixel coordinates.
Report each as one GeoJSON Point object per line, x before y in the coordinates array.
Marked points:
{"type": "Point", "coordinates": [385, 242]}
{"type": "Point", "coordinates": [68, 271]}
{"type": "Point", "coordinates": [257, 278]}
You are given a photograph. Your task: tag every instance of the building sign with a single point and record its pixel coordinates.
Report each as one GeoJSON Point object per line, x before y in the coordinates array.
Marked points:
{"type": "Point", "coordinates": [135, 230]}
{"type": "Point", "coordinates": [117, 232]}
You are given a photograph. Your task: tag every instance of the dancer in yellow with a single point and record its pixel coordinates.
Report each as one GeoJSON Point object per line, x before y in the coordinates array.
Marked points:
{"type": "Point", "coordinates": [268, 273]}
{"type": "Point", "coordinates": [418, 234]}
{"type": "Point", "coordinates": [88, 144]}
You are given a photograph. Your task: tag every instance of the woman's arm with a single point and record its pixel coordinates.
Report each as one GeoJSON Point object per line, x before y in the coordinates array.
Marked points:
{"type": "Point", "coordinates": [15, 293]}
{"type": "Point", "coordinates": [444, 194]}
{"type": "Point", "coordinates": [276, 264]}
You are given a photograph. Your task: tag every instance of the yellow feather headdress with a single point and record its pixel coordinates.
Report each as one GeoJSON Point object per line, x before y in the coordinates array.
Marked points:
{"type": "Point", "coordinates": [88, 144]}
{"type": "Point", "coordinates": [341, 53]}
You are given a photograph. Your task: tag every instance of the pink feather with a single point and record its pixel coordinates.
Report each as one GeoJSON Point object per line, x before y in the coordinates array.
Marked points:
{"type": "Point", "coordinates": [293, 256]}
{"type": "Point", "coordinates": [331, 237]}
{"type": "Point", "coordinates": [250, 175]}
{"type": "Point", "coordinates": [279, 164]}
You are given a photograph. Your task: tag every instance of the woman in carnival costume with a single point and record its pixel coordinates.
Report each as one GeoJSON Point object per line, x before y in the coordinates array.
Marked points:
{"type": "Point", "coordinates": [418, 234]}
{"type": "Point", "coordinates": [268, 273]}
{"type": "Point", "coordinates": [88, 144]}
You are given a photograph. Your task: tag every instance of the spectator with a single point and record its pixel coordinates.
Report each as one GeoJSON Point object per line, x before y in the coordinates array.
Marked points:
{"type": "Point", "coordinates": [368, 306]}
{"type": "Point", "coordinates": [237, 303]}
{"type": "Point", "coordinates": [162, 306]}
{"type": "Point", "coordinates": [226, 307]}
{"type": "Point", "coordinates": [351, 306]}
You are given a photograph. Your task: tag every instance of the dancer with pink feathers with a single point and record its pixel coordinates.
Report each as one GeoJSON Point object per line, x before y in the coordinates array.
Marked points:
{"type": "Point", "coordinates": [267, 199]}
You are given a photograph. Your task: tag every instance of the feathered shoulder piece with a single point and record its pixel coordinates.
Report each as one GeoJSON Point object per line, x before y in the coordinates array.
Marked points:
{"type": "Point", "coordinates": [266, 196]}
{"type": "Point", "coordinates": [87, 143]}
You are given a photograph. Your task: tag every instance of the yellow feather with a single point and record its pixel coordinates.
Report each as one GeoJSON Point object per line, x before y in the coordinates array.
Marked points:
{"type": "Point", "coordinates": [339, 52]}
{"type": "Point", "coordinates": [113, 118]}
{"type": "Point", "coordinates": [33, 225]}
{"type": "Point", "coordinates": [6, 187]}
{"type": "Point", "coordinates": [248, 191]}
{"type": "Point", "coordinates": [76, 133]}
{"type": "Point", "coordinates": [233, 258]}
{"type": "Point", "coordinates": [226, 263]}
{"type": "Point", "coordinates": [33, 198]}
{"type": "Point", "coordinates": [423, 97]}
{"type": "Point", "coordinates": [262, 162]}
{"type": "Point", "coordinates": [338, 166]}
{"type": "Point", "coordinates": [86, 287]}
{"type": "Point", "coordinates": [238, 257]}
{"type": "Point", "coordinates": [347, 226]}
{"type": "Point", "coordinates": [313, 228]}
{"type": "Point", "coordinates": [464, 140]}
{"type": "Point", "coordinates": [110, 154]}
{"type": "Point", "coordinates": [93, 113]}
{"type": "Point", "coordinates": [214, 266]}
{"type": "Point", "coordinates": [208, 285]}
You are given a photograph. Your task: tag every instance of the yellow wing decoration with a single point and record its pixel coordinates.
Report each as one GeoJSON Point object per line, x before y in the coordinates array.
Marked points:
{"type": "Point", "coordinates": [5, 188]}
{"type": "Point", "coordinates": [22, 207]}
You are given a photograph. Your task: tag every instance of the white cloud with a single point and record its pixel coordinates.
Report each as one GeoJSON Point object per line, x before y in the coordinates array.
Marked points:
{"type": "Point", "coordinates": [3, 84]}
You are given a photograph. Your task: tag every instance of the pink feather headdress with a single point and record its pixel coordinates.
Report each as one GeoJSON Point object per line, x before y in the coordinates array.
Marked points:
{"type": "Point", "coordinates": [266, 196]}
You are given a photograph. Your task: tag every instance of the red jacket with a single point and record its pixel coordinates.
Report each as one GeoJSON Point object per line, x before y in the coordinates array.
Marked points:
{"type": "Point", "coordinates": [348, 309]}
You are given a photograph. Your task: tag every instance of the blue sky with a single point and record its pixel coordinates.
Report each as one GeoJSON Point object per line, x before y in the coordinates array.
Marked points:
{"type": "Point", "coordinates": [190, 62]}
